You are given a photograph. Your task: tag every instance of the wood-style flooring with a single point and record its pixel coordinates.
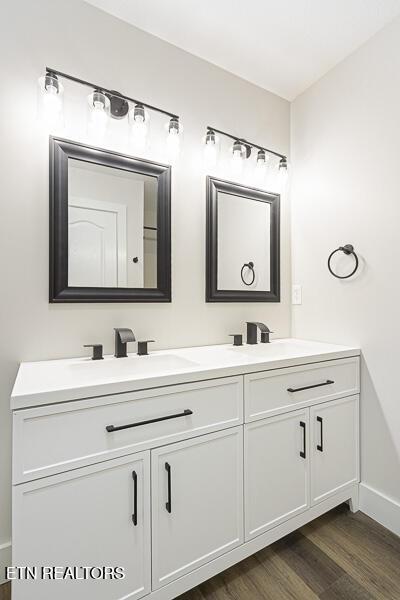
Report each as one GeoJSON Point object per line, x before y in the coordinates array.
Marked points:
{"type": "Point", "coordinates": [339, 556]}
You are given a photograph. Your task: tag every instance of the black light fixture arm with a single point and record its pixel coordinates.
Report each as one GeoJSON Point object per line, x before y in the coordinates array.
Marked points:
{"type": "Point", "coordinates": [245, 142]}
{"type": "Point", "coordinates": [95, 86]}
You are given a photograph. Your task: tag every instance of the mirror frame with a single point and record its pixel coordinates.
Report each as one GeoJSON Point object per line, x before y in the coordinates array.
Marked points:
{"type": "Point", "coordinates": [59, 291]}
{"type": "Point", "coordinates": [213, 294]}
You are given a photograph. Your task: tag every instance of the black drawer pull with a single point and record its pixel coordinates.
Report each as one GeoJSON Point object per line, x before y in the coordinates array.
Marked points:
{"type": "Point", "coordinates": [134, 514]}
{"type": "Point", "coordinates": [309, 387]}
{"type": "Point", "coordinates": [168, 502]}
{"type": "Point", "coordinates": [185, 413]}
{"type": "Point", "coordinates": [320, 446]}
{"type": "Point", "coordinates": [303, 452]}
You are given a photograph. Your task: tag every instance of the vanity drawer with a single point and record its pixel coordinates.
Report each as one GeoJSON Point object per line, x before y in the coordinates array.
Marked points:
{"type": "Point", "coordinates": [272, 392]}
{"type": "Point", "coordinates": [57, 438]}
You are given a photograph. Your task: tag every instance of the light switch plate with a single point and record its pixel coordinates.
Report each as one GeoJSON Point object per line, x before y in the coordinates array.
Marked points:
{"type": "Point", "coordinates": [296, 294]}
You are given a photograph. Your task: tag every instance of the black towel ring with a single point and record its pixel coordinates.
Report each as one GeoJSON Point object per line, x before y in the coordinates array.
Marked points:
{"type": "Point", "coordinates": [347, 249]}
{"type": "Point", "coordinates": [249, 265]}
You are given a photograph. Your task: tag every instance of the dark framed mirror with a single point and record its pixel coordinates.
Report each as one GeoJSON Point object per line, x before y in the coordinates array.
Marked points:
{"type": "Point", "coordinates": [110, 226]}
{"type": "Point", "coordinates": [242, 246]}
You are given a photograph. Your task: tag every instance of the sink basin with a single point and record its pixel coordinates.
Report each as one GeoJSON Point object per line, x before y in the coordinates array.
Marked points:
{"type": "Point", "coordinates": [131, 366]}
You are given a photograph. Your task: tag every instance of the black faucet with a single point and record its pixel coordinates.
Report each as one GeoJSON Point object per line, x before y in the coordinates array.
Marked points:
{"type": "Point", "coordinates": [122, 337]}
{"type": "Point", "coordinates": [252, 327]}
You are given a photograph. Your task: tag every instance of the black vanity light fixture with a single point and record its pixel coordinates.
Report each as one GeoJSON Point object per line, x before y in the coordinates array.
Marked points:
{"type": "Point", "coordinates": [241, 150]}
{"type": "Point", "coordinates": [105, 104]}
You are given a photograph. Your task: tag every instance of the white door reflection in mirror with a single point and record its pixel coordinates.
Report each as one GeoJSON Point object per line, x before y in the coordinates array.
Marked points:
{"type": "Point", "coordinates": [244, 237]}
{"type": "Point", "coordinates": [97, 235]}
{"type": "Point", "coordinates": [112, 227]}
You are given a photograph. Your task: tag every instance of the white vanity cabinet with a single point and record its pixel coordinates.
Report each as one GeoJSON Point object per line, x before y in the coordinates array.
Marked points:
{"type": "Point", "coordinates": [93, 516]}
{"type": "Point", "coordinates": [334, 447]}
{"type": "Point", "coordinates": [277, 470]}
{"type": "Point", "coordinates": [197, 502]}
{"type": "Point", "coordinates": [183, 475]}
{"type": "Point", "coordinates": [285, 456]}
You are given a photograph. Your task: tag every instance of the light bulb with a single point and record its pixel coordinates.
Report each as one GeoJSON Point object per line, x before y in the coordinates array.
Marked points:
{"type": "Point", "coordinates": [99, 110]}
{"type": "Point", "coordinates": [238, 155]}
{"type": "Point", "coordinates": [261, 166]}
{"type": "Point", "coordinates": [283, 173]}
{"type": "Point", "coordinates": [138, 121]}
{"type": "Point", "coordinates": [173, 138]}
{"type": "Point", "coordinates": [211, 148]}
{"type": "Point", "coordinates": [50, 101]}
{"type": "Point", "coordinates": [261, 160]}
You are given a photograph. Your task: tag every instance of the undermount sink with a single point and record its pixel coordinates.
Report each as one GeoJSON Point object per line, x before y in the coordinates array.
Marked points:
{"type": "Point", "coordinates": [138, 366]}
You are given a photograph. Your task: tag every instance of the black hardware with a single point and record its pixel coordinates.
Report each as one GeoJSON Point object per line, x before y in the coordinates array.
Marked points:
{"type": "Point", "coordinates": [252, 327]}
{"type": "Point", "coordinates": [135, 259]}
{"type": "Point", "coordinates": [265, 337]}
{"type": "Point", "coordinates": [97, 351]}
{"type": "Point", "coordinates": [123, 335]}
{"type": "Point", "coordinates": [243, 141]}
{"type": "Point", "coordinates": [320, 446]}
{"type": "Point", "coordinates": [185, 413]}
{"type": "Point", "coordinates": [303, 452]}
{"type": "Point", "coordinates": [152, 228]}
{"type": "Point", "coordinates": [168, 502]}
{"type": "Point", "coordinates": [119, 107]}
{"type": "Point", "coordinates": [347, 249]}
{"type": "Point", "coordinates": [215, 187]}
{"type": "Point", "coordinates": [134, 515]}
{"type": "Point", "coordinates": [61, 151]}
{"type": "Point", "coordinates": [109, 93]}
{"type": "Point", "coordinates": [142, 347]}
{"type": "Point", "coordinates": [250, 266]}
{"type": "Point", "coordinates": [237, 339]}
{"type": "Point", "coordinates": [309, 387]}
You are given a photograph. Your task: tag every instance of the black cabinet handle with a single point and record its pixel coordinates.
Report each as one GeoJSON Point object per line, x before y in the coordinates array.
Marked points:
{"type": "Point", "coordinates": [134, 514]}
{"type": "Point", "coordinates": [303, 452]}
{"type": "Point", "coordinates": [320, 446]}
{"type": "Point", "coordinates": [168, 502]}
{"type": "Point", "coordinates": [309, 387]}
{"type": "Point", "coordinates": [185, 413]}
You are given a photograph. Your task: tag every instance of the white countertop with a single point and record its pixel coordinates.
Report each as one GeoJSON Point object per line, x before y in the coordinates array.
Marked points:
{"type": "Point", "coordinates": [51, 381]}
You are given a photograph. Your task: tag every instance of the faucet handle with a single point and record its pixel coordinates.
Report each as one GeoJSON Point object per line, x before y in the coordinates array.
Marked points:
{"type": "Point", "coordinates": [142, 347]}
{"type": "Point", "coordinates": [265, 337]}
{"type": "Point", "coordinates": [237, 339]}
{"type": "Point", "coordinates": [97, 351]}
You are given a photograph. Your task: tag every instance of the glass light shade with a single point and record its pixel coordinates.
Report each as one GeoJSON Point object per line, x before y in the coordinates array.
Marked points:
{"type": "Point", "coordinates": [51, 102]}
{"type": "Point", "coordinates": [99, 113]}
{"type": "Point", "coordinates": [211, 148]}
{"type": "Point", "coordinates": [261, 166]}
{"type": "Point", "coordinates": [261, 160]}
{"type": "Point", "coordinates": [138, 119]}
{"type": "Point", "coordinates": [238, 156]}
{"type": "Point", "coordinates": [283, 174]}
{"type": "Point", "coordinates": [174, 138]}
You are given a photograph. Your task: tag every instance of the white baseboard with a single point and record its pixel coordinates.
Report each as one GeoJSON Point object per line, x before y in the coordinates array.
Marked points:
{"type": "Point", "coordinates": [381, 508]}
{"type": "Point", "coordinates": [5, 560]}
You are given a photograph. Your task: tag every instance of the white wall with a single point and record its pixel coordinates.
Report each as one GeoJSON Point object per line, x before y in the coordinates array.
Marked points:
{"type": "Point", "coordinates": [74, 37]}
{"type": "Point", "coordinates": [346, 189]}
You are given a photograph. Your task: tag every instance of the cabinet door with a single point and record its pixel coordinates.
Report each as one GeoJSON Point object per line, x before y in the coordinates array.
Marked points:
{"type": "Point", "coordinates": [97, 516]}
{"type": "Point", "coordinates": [197, 502]}
{"type": "Point", "coordinates": [276, 467]}
{"type": "Point", "coordinates": [335, 447]}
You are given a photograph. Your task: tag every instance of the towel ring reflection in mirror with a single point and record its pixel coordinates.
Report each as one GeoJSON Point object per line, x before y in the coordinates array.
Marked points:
{"type": "Point", "coordinates": [250, 267]}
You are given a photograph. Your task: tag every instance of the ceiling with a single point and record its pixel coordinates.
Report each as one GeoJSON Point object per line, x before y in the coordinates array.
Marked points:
{"type": "Point", "coordinates": [283, 47]}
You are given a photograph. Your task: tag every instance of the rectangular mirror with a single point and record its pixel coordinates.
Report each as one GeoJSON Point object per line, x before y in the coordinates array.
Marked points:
{"type": "Point", "coordinates": [110, 226]}
{"type": "Point", "coordinates": [242, 262]}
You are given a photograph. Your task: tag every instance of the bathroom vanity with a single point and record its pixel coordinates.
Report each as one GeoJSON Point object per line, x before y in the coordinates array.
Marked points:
{"type": "Point", "coordinates": [179, 464]}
